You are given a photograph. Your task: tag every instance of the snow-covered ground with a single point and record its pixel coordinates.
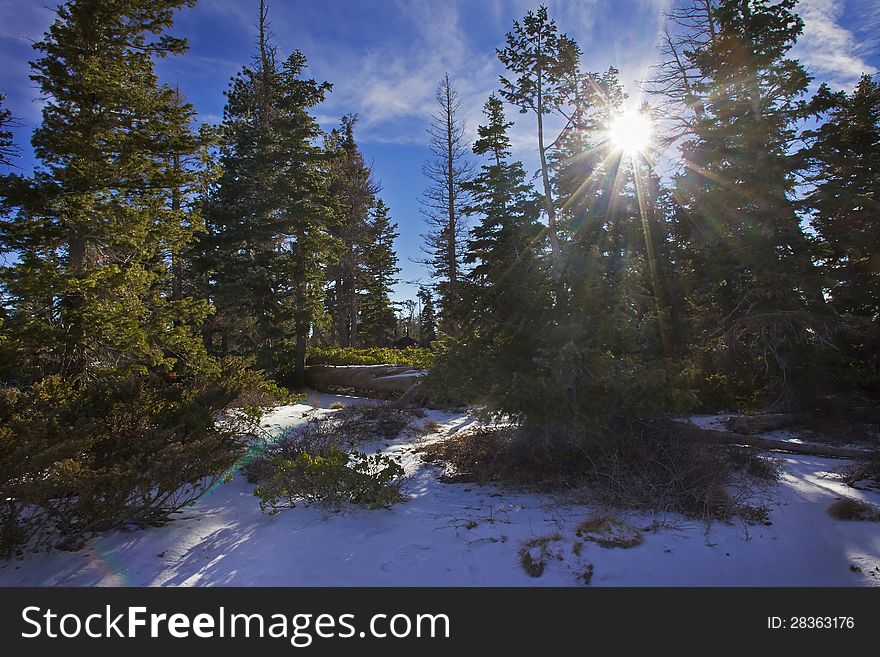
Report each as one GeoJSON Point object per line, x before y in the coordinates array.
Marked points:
{"type": "Point", "coordinates": [466, 535]}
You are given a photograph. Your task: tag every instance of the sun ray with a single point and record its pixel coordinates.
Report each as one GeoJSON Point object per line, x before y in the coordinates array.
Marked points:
{"type": "Point", "coordinates": [630, 132]}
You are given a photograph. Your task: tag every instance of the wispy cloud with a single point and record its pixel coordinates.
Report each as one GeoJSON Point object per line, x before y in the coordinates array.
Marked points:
{"type": "Point", "coordinates": [392, 83]}
{"type": "Point", "coordinates": [831, 50]}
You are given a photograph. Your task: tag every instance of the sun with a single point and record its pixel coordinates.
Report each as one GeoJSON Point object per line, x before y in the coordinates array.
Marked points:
{"type": "Point", "coordinates": [630, 131]}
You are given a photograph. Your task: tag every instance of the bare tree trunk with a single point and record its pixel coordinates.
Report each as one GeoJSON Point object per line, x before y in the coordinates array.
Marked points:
{"type": "Point", "coordinates": [266, 57]}
{"type": "Point", "coordinates": [451, 241]}
{"type": "Point", "coordinates": [176, 256]}
{"type": "Point", "coordinates": [545, 172]}
{"type": "Point", "coordinates": [448, 170]}
{"type": "Point", "coordinates": [353, 312]}
{"type": "Point", "coordinates": [548, 194]}
{"type": "Point", "coordinates": [302, 320]}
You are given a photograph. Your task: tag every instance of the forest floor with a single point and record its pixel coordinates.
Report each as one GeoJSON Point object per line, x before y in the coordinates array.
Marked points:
{"type": "Point", "coordinates": [459, 534]}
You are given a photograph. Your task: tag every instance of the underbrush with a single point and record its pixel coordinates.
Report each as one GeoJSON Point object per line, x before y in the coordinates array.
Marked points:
{"type": "Point", "coordinates": [850, 509]}
{"type": "Point", "coordinates": [317, 461]}
{"type": "Point", "coordinates": [333, 478]}
{"type": "Point", "coordinates": [417, 357]}
{"type": "Point", "coordinates": [650, 470]}
{"type": "Point", "coordinates": [80, 456]}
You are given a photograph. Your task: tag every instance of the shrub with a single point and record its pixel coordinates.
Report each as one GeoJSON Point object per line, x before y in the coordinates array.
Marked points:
{"type": "Point", "coordinates": [850, 509]}
{"type": "Point", "coordinates": [558, 390]}
{"type": "Point", "coordinates": [333, 478]}
{"type": "Point", "coordinates": [416, 357]}
{"type": "Point", "coordinates": [80, 456]}
{"type": "Point", "coordinates": [652, 469]}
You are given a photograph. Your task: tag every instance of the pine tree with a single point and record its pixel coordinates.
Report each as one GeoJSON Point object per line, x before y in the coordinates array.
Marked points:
{"type": "Point", "coordinates": [95, 239]}
{"type": "Point", "coordinates": [493, 358]}
{"type": "Point", "coordinates": [752, 281]}
{"type": "Point", "coordinates": [444, 200]}
{"type": "Point", "coordinates": [508, 231]}
{"type": "Point", "coordinates": [7, 148]}
{"type": "Point", "coordinates": [545, 65]}
{"type": "Point", "coordinates": [845, 203]}
{"type": "Point", "coordinates": [353, 190]}
{"type": "Point", "coordinates": [427, 317]}
{"type": "Point", "coordinates": [269, 217]}
{"type": "Point", "coordinates": [379, 277]}
{"type": "Point", "coordinates": [609, 201]}
{"type": "Point", "coordinates": [109, 400]}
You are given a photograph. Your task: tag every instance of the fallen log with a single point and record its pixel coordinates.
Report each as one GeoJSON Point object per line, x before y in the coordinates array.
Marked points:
{"type": "Point", "coordinates": [750, 424]}
{"type": "Point", "coordinates": [693, 432]}
{"type": "Point", "coordinates": [383, 378]}
{"type": "Point", "coordinates": [409, 396]}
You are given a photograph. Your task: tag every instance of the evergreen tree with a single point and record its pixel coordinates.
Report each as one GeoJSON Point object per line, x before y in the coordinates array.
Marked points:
{"type": "Point", "coordinates": [269, 217]}
{"type": "Point", "coordinates": [757, 297]}
{"type": "Point", "coordinates": [492, 361]}
{"type": "Point", "coordinates": [545, 65]}
{"type": "Point", "coordinates": [845, 203]}
{"type": "Point", "coordinates": [7, 148]}
{"type": "Point", "coordinates": [614, 263]}
{"type": "Point", "coordinates": [95, 238]}
{"type": "Point", "coordinates": [444, 201]}
{"type": "Point", "coordinates": [508, 230]}
{"type": "Point", "coordinates": [379, 276]}
{"type": "Point", "coordinates": [109, 400]}
{"type": "Point", "coordinates": [427, 317]}
{"type": "Point", "coordinates": [353, 190]}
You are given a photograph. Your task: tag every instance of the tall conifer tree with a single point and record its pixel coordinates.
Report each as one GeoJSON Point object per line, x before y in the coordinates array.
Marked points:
{"type": "Point", "coordinates": [758, 300]}
{"type": "Point", "coordinates": [448, 172]}
{"type": "Point", "coordinates": [269, 218]}
{"type": "Point", "coordinates": [379, 275]}
{"type": "Point", "coordinates": [109, 399]}
{"type": "Point", "coordinates": [845, 204]}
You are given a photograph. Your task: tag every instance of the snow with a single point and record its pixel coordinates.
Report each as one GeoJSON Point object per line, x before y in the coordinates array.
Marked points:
{"type": "Point", "coordinates": [712, 422]}
{"type": "Point", "coordinates": [466, 535]}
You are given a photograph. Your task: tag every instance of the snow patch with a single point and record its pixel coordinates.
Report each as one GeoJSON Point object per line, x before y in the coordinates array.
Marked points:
{"type": "Point", "coordinates": [468, 535]}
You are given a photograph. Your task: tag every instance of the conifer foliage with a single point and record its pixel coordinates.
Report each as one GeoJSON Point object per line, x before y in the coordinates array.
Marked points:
{"type": "Point", "coordinates": [380, 271]}
{"type": "Point", "coordinates": [7, 147]}
{"type": "Point", "coordinates": [758, 296]}
{"type": "Point", "coordinates": [269, 217]}
{"type": "Point", "coordinates": [106, 414]}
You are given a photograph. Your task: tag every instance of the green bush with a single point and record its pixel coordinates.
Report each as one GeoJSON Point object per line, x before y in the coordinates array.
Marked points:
{"type": "Point", "coordinates": [332, 478]}
{"type": "Point", "coordinates": [79, 456]}
{"type": "Point", "coordinates": [558, 386]}
{"type": "Point", "coordinates": [417, 357]}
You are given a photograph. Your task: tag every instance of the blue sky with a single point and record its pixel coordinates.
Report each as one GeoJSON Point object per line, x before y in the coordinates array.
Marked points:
{"type": "Point", "coordinates": [385, 57]}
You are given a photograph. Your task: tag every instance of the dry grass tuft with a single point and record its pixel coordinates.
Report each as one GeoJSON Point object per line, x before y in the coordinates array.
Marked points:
{"type": "Point", "coordinates": [609, 532]}
{"type": "Point", "coordinates": [586, 575]}
{"type": "Point", "coordinates": [534, 553]}
{"type": "Point", "coordinates": [850, 509]}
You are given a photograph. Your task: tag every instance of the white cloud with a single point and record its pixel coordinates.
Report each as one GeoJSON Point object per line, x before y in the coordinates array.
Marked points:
{"type": "Point", "coordinates": [395, 82]}
{"type": "Point", "coordinates": [829, 49]}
